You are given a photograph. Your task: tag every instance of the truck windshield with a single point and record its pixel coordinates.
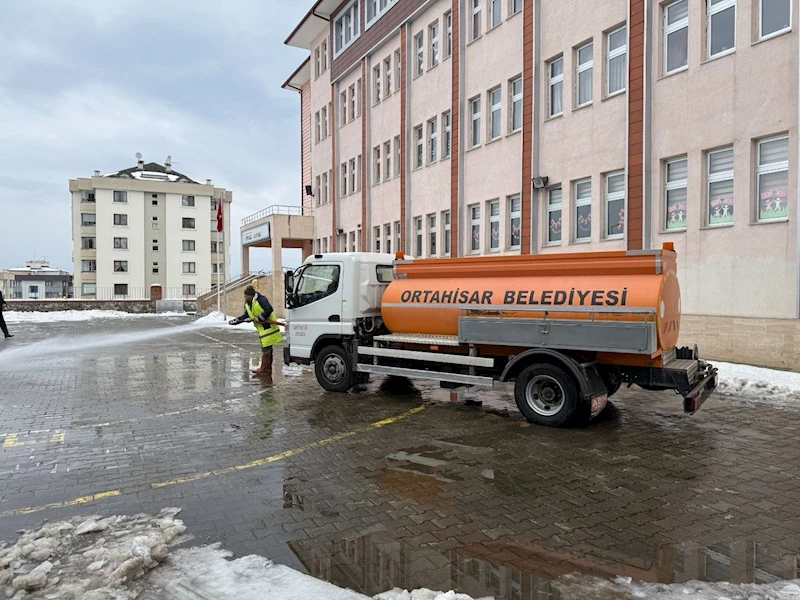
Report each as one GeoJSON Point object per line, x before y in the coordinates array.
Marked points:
{"type": "Point", "coordinates": [317, 282]}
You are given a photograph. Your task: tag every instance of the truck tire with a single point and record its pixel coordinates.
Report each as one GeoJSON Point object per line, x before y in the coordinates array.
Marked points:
{"type": "Point", "coordinates": [333, 369]}
{"type": "Point", "coordinates": [546, 395]}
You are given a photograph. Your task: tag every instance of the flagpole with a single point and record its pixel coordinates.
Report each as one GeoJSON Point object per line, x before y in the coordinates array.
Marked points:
{"type": "Point", "coordinates": [224, 260]}
{"type": "Point", "coordinates": [218, 302]}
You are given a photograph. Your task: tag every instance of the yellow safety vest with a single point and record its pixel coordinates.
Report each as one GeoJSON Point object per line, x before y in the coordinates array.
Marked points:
{"type": "Point", "coordinates": [269, 335]}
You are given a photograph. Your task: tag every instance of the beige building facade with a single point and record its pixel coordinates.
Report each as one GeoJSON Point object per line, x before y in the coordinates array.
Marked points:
{"type": "Point", "coordinates": [471, 127]}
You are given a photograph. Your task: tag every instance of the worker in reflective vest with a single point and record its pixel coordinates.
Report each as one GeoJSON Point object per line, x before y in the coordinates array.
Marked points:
{"type": "Point", "coordinates": [258, 311]}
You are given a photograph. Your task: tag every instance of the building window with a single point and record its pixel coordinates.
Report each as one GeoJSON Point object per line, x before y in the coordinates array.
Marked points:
{"type": "Point", "coordinates": [189, 267]}
{"type": "Point", "coordinates": [324, 56]}
{"type": "Point", "coordinates": [155, 245]}
{"type": "Point", "coordinates": [475, 227]}
{"type": "Point", "coordinates": [476, 19]}
{"type": "Point", "coordinates": [433, 37]}
{"type": "Point", "coordinates": [376, 84]}
{"type": "Point", "coordinates": [418, 234]}
{"type": "Point", "coordinates": [615, 204]}
{"type": "Point", "coordinates": [120, 243]}
{"type": "Point", "coordinates": [583, 210]}
{"type": "Point", "coordinates": [87, 196]}
{"type": "Point", "coordinates": [120, 289]}
{"type": "Point", "coordinates": [514, 221]}
{"type": "Point", "coordinates": [187, 200]}
{"type": "Point", "coordinates": [344, 179]}
{"type": "Point", "coordinates": [721, 24]}
{"type": "Point", "coordinates": [475, 109]}
{"type": "Point", "coordinates": [494, 225]}
{"type": "Point", "coordinates": [324, 117]}
{"type": "Point", "coordinates": [318, 190]}
{"type": "Point", "coordinates": [433, 140]}
{"type": "Point", "coordinates": [676, 35]}
{"type": "Point", "coordinates": [214, 248]}
{"type": "Point", "coordinates": [88, 219]}
{"type": "Point", "coordinates": [88, 243]}
{"type": "Point", "coordinates": [419, 53]}
{"type": "Point", "coordinates": [555, 95]}
{"type": "Point", "coordinates": [616, 60]}
{"type": "Point", "coordinates": [352, 92]}
{"type": "Point", "coordinates": [584, 72]}
{"type": "Point", "coordinates": [515, 88]}
{"type": "Point", "coordinates": [387, 75]}
{"type": "Point", "coordinates": [447, 125]}
{"type": "Point", "coordinates": [397, 156]}
{"type": "Point", "coordinates": [121, 197]}
{"type": "Point", "coordinates": [155, 268]}
{"type": "Point", "coordinates": [325, 188]}
{"type": "Point", "coordinates": [495, 113]}
{"type": "Point", "coordinates": [214, 203]}
{"type": "Point", "coordinates": [720, 187]}
{"type": "Point", "coordinates": [376, 9]}
{"type": "Point", "coordinates": [376, 155]}
{"type": "Point", "coordinates": [121, 220]}
{"type": "Point", "coordinates": [420, 153]}
{"type": "Point", "coordinates": [675, 184]}
{"type": "Point", "coordinates": [317, 64]}
{"type": "Point", "coordinates": [352, 241]}
{"type": "Point", "coordinates": [358, 96]}
{"type": "Point", "coordinates": [772, 173]}
{"type": "Point", "coordinates": [494, 13]}
{"type": "Point", "coordinates": [388, 236]}
{"type": "Point", "coordinates": [431, 235]}
{"type": "Point", "coordinates": [446, 233]}
{"type": "Point", "coordinates": [187, 223]}
{"type": "Point", "coordinates": [318, 128]}
{"type": "Point", "coordinates": [397, 236]}
{"type": "Point", "coordinates": [554, 199]}
{"type": "Point", "coordinates": [353, 175]}
{"type": "Point", "coordinates": [189, 289]}
{"type": "Point", "coordinates": [346, 28]}
{"type": "Point", "coordinates": [343, 108]}
{"type": "Point", "coordinates": [191, 246]}
{"type": "Point", "coordinates": [387, 157]}
{"type": "Point", "coordinates": [217, 269]}
{"type": "Point", "coordinates": [774, 17]}
{"type": "Point", "coordinates": [120, 266]}
{"type": "Point", "coordinates": [448, 33]}
{"type": "Point", "coordinates": [516, 6]}
{"type": "Point", "coordinates": [88, 289]}
{"type": "Point", "coordinates": [88, 266]}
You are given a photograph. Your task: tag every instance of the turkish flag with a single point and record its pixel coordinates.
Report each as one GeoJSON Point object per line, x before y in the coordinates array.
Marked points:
{"type": "Point", "coordinates": [219, 215]}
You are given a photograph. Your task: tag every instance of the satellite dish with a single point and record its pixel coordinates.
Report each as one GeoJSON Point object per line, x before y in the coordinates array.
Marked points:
{"type": "Point", "coordinates": [139, 155]}
{"type": "Point", "coordinates": [169, 159]}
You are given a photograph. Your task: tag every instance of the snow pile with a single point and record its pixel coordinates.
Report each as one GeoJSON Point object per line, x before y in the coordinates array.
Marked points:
{"type": "Point", "coordinates": [422, 594]}
{"type": "Point", "coordinates": [87, 559]}
{"type": "Point", "coordinates": [63, 316]}
{"type": "Point", "coordinates": [577, 586]}
{"type": "Point", "coordinates": [758, 384]}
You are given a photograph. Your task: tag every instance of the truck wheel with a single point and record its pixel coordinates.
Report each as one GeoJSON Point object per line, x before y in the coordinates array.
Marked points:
{"type": "Point", "coordinates": [546, 395]}
{"type": "Point", "coordinates": [333, 369]}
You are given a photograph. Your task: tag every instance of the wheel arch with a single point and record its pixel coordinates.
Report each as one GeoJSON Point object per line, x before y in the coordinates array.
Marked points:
{"type": "Point", "coordinates": [324, 341]}
{"type": "Point", "coordinates": [552, 357]}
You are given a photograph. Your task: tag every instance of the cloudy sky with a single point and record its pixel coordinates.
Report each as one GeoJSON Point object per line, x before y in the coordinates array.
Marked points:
{"type": "Point", "coordinates": [85, 84]}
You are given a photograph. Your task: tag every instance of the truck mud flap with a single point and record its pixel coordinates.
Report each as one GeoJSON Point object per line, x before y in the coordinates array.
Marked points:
{"type": "Point", "coordinates": [700, 393]}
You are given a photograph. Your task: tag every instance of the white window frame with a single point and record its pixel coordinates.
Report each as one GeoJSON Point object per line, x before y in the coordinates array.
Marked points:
{"type": "Point", "coordinates": [447, 228]}
{"type": "Point", "coordinates": [344, 179]}
{"type": "Point", "coordinates": [582, 68]}
{"type": "Point", "coordinates": [432, 241]}
{"type": "Point", "coordinates": [515, 104]}
{"type": "Point", "coordinates": [514, 7]}
{"type": "Point", "coordinates": [475, 122]}
{"type": "Point", "coordinates": [419, 54]}
{"type": "Point", "coordinates": [447, 139]}
{"type": "Point", "coordinates": [448, 34]}
{"type": "Point", "coordinates": [353, 173]}
{"type": "Point", "coordinates": [387, 76]}
{"type": "Point", "coordinates": [376, 165]}
{"type": "Point", "coordinates": [387, 230]}
{"type": "Point", "coordinates": [474, 228]}
{"type": "Point", "coordinates": [318, 125]}
{"type": "Point", "coordinates": [325, 187]}
{"type": "Point", "coordinates": [324, 53]}
{"type": "Point", "coordinates": [476, 25]}
{"type": "Point", "coordinates": [343, 101]}
{"type": "Point", "coordinates": [433, 43]}
{"type": "Point", "coordinates": [611, 197]}
{"type": "Point", "coordinates": [124, 266]}
{"type": "Point", "coordinates": [358, 97]}
{"type": "Point", "coordinates": [716, 178]}
{"type": "Point", "coordinates": [352, 108]}
{"type": "Point", "coordinates": [397, 72]}
{"type": "Point", "coordinates": [120, 243]}
{"type": "Point", "coordinates": [669, 30]}
{"type": "Point", "coordinates": [611, 55]}
{"type": "Point", "coordinates": [490, 206]}
{"type": "Point", "coordinates": [419, 145]}
{"type": "Point", "coordinates": [495, 10]}
{"type": "Point", "coordinates": [710, 12]}
{"type": "Point", "coordinates": [387, 159]}
{"type": "Point", "coordinates": [552, 81]}
{"type": "Point", "coordinates": [514, 214]}
{"type": "Point", "coordinates": [776, 167]}
{"type": "Point", "coordinates": [324, 116]}
{"type": "Point", "coordinates": [761, 35]}
{"type": "Point", "coordinates": [397, 161]}
{"type": "Point", "coordinates": [670, 186]}
{"type": "Point", "coordinates": [495, 102]}
{"type": "Point", "coordinates": [585, 201]}
{"type": "Point", "coordinates": [376, 238]}
{"type": "Point", "coordinates": [339, 43]}
{"type": "Point", "coordinates": [376, 84]}
{"type": "Point", "coordinates": [550, 208]}
{"type": "Point", "coordinates": [317, 63]}
{"type": "Point", "coordinates": [188, 246]}
{"type": "Point", "coordinates": [418, 238]}
{"type": "Point", "coordinates": [433, 140]}
{"type": "Point", "coordinates": [383, 7]}
{"type": "Point", "coordinates": [398, 241]}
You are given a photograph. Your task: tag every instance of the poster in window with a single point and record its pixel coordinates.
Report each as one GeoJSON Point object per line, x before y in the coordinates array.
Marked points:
{"type": "Point", "coordinates": [584, 229]}
{"type": "Point", "coordinates": [720, 210]}
{"type": "Point", "coordinates": [676, 215]}
{"type": "Point", "coordinates": [554, 226]}
{"type": "Point", "coordinates": [494, 231]}
{"type": "Point", "coordinates": [516, 232]}
{"type": "Point", "coordinates": [773, 204]}
{"type": "Point", "coordinates": [616, 217]}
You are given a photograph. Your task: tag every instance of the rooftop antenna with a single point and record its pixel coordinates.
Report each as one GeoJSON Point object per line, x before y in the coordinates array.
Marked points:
{"type": "Point", "coordinates": [138, 156]}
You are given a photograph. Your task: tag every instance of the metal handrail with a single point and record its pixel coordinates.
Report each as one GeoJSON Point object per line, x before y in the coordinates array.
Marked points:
{"type": "Point", "coordinates": [277, 209]}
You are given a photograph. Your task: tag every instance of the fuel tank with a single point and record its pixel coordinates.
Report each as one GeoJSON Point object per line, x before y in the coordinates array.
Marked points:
{"type": "Point", "coordinates": [428, 296]}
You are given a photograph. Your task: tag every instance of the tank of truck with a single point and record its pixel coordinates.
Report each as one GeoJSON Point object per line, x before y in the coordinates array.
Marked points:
{"type": "Point", "coordinates": [428, 296]}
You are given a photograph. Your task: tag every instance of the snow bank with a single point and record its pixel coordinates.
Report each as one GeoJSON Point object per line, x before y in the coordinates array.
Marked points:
{"type": "Point", "coordinates": [13, 317]}
{"type": "Point", "coordinates": [422, 594]}
{"type": "Point", "coordinates": [758, 384]}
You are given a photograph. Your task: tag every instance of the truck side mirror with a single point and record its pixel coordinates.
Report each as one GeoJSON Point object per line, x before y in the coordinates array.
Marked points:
{"type": "Point", "coordinates": [288, 286]}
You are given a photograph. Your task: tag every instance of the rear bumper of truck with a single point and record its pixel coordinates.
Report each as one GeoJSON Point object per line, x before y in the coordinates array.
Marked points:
{"type": "Point", "coordinates": [701, 391]}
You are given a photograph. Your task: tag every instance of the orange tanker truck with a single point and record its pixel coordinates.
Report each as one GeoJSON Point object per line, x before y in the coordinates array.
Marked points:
{"type": "Point", "coordinates": [567, 329]}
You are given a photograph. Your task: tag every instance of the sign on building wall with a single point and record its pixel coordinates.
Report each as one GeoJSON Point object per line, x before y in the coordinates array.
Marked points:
{"type": "Point", "coordinates": [256, 234]}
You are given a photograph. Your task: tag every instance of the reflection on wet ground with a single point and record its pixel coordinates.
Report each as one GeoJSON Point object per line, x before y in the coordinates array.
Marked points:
{"type": "Point", "coordinates": [462, 496]}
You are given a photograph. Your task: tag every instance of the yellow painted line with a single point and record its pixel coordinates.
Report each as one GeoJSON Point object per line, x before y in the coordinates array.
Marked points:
{"type": "Point", "coordinates": [223, 471]}
{"type": "Point", "coordinates": [12, 439]}
{"type": "Point", "coordinates": [74, 502]}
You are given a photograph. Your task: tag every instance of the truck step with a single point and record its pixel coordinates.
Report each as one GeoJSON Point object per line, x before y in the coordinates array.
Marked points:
{"type": "Point", "coordinates": [419, 338]}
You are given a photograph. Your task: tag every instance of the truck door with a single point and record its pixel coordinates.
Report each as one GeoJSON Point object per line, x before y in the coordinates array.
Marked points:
{"type": "Point", "coordinates": [317, 307]}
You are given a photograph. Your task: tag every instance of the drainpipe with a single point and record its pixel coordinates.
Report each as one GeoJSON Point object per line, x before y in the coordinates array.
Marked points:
{"type": "Point", "coordinates": [797, 198]}
{"type": "Point", "coordinates": [535, 150]}
{"type": "Point", "coordinates": [647, 137]}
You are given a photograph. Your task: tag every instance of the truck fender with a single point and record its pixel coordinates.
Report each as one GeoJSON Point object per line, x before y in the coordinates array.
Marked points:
{"type": "Point", "coordinates": [588, 380]}
{"type": "Point", "coordinates": [323, 341]}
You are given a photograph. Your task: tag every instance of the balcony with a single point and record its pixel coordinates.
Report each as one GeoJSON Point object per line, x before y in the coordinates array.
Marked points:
{"type": "Point", "coordinates": [291, 211]}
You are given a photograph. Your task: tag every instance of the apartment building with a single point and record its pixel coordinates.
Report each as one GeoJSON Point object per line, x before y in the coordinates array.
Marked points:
{"type": "Point", "coordinates": [147, 228]}
{"type": "Point", "coordinates": [472, 127]}
{"type": "Point", "coordinates": [37, 280]}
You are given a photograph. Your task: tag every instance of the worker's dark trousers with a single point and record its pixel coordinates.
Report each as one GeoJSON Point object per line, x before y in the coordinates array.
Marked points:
{"type": "Point", "coordinates": [3, 324]}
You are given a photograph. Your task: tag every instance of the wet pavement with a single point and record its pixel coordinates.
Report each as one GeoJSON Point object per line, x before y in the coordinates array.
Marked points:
{"type": "Point", "coordinates": [395, 485]}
